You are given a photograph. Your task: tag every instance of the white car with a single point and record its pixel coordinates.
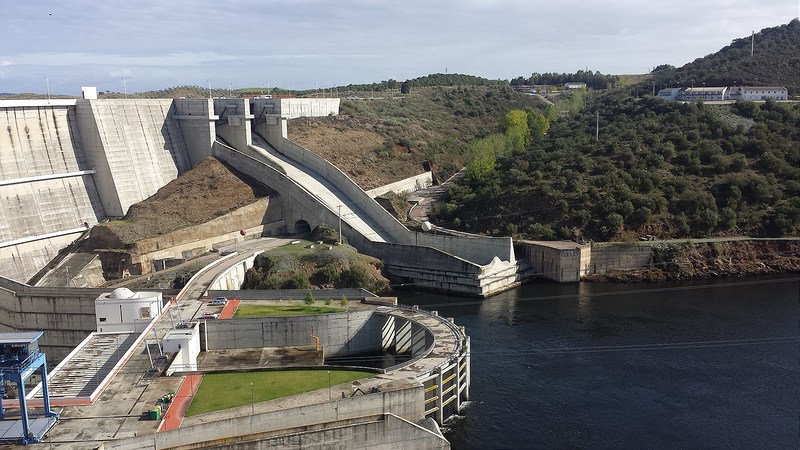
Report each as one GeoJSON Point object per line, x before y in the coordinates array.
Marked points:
{"type": "Point", "coordinates": [219, 301]}
{"type": "Point", "coordinates": [210, 315]}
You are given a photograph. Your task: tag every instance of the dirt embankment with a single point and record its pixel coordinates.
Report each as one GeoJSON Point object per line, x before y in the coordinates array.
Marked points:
{"type": "Point", "coordinates": [207, 191]}
{"type": "Point", "coordinates": [711, 260]}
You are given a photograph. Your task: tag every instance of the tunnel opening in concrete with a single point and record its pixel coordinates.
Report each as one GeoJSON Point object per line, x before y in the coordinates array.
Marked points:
{"type": "Point", "coordinates": [301, 227]}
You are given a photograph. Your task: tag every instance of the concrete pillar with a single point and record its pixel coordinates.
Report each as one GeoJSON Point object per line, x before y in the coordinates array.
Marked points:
{"type": "Point", "coordinates": [388, 334]}
{"type": "Point", "coordinates": [418, 340]}
{"type": "Point", "coordinates": [457, 369]}
{"type": "Point", "coordinates": [403, 338]}
{"type": "Point", "coordinates": [467, 368]}
{"type": "Point", "coordinates": [234, 122]}
{"type": "Point", "coordinates": [198, 125]}
{"type": "Point", "coordinates": [439, 395]}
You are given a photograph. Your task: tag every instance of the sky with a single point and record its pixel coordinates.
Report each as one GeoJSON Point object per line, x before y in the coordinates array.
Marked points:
{"type": "Point", "coordinates": [142, 45]}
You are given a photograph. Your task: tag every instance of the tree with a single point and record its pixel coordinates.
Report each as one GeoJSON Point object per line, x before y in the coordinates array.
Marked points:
{"type": "Point", "coordinates": [538, 124]}
{"type": "Point", "coordinates": [515, 126]}
{"type": "Point", "coordinates": [405, 88]}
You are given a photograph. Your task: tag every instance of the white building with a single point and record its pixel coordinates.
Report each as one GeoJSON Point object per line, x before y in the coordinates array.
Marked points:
{"type": "Point", "coordinates": [669, 93]}
{"type": "Point", "coordinates": [123, 310]}
{"type": "Point", "coordinates": [759, 93]}
{"type": "Point", "coordinates": [706, 94]}
{"type": "Point", "coordinates": [575, 85]}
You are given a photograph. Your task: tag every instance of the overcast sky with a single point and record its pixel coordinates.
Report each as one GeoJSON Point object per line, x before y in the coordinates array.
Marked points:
{"type": "Point", "coordinates": [155, 44]}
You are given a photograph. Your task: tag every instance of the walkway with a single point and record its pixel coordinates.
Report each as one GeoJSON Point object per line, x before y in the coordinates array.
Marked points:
{"type": "Point", "coordinates": [183, 398]}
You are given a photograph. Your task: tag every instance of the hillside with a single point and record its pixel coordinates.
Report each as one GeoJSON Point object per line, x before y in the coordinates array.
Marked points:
{"type": "Point", "coordinates": [775, 61]}
{"type": "Point", "coordinates": [665, 169]}
{"type": "Point", "coordinates": [377, 141]}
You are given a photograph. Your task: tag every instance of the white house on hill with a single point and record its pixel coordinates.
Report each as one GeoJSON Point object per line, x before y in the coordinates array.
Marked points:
{"type": "Point", "coordinates": [757, 93]}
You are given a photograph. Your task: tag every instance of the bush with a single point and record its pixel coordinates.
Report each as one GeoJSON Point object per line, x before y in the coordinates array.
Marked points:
{"type": "Point", "coordinates": [309, 300]}
{"type": "Point", "coordinates": [357, 277]}
{"type": "Point", "coordinates": [327, 274]}
{"type": "Point", "coordinates": [298, 280]}
{"type": "Point", "coordinates": [344, 301]}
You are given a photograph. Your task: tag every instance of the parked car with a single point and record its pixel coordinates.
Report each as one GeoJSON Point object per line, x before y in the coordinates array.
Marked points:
{"type": "Point", "coordinates": [219, 301]}
{"type": "Point", "coordinates": [210, 315]}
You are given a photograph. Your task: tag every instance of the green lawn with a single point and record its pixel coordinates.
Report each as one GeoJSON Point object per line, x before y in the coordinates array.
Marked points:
{"type": "Point", "coordinates": [246, 311]}
{"type": "Point", "coordinates": [228, 390]}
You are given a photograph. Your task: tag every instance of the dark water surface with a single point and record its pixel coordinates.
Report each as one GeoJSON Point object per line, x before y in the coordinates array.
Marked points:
{"type": "Point", "coordinates": [711, 364]}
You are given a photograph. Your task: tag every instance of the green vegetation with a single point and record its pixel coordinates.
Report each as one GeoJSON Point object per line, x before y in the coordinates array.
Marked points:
{"type": "Point", "coordinates": [220, 391]}
{"type": "Point", "coordinates": [593, 80]}
{"type": "Point", "coordinates": [307, 265]}
{"type": "Point", "coordinates": [662, 168]}
{"type": "Point", "coordinates": [775, 61]}
{"type": "Point", "coordinates": [248, 311]}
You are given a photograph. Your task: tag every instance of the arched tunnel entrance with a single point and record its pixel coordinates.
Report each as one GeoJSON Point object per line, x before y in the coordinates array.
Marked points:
{"type": "Point", "coordinates": [301, 227]}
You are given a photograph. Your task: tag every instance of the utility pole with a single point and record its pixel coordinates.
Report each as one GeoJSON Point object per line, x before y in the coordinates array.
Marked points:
{"type": "Point", "coordinates": [125, 88]}
{"type": "Point", "coordinates": [47, 81]}
{"type": "Point", "coordinates": [209, 88]}
{"type": "Point", "coordinates": [597, 128]}
{"type": "Point", "coordinates": [752, 42]}
{"type": "Point", "coordinates": [340, 224]}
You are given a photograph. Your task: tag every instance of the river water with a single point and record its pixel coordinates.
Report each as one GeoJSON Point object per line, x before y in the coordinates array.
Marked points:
{"type": "Point", "coordinates": [704, 364]}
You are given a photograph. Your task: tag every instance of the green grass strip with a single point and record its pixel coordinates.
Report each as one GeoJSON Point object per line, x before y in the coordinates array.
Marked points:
{"type": "Point", "coordinates": [246, 311]}
{"type": "Point", "coordinates": [220, 391]}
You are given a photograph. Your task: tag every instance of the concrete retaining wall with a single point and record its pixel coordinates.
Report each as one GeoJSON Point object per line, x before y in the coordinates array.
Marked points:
{"type": "Point", "coordinates": [340, 333]}
{"type": "Point", "coordinates": [261, 218]}
{"type": "Point", "coordinates": [405, 402]}
{"type": "Point", "coordinates": [411, 184]}
{"type": "Point", "coordinates": [567, 262]}
{"type": "Point", "coordinates": [66, 315]}
{"type": "Point", "coordinates": [611, 256]}
{"type": "Point", "coordinates": [387, 432]}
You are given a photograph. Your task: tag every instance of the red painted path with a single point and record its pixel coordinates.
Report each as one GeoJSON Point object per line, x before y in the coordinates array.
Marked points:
{"type": "Point", "coordinates": [180, 403]}
{"type": "Point", "coordinates": [229, 309]}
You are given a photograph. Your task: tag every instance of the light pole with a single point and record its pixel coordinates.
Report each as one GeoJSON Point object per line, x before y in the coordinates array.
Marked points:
{"type": "Point", "coordinates": [330, 396]}
{"type": "Point", "coordinates": [47, 81]}
{"type": "Point", "coordinates": [252, 400]}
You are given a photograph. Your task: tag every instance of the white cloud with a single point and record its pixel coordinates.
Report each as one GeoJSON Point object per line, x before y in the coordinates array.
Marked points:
{"type": "Point", "coordinates": [304, 42]}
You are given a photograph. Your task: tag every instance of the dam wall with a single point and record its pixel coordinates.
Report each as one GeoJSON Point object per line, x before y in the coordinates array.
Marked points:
{"type": "Point", "coordinates": [47, 190]}
{"type": "Point", "coordinates": [135, 146]}
{"type": "Point", "coordinates": [66, 165]}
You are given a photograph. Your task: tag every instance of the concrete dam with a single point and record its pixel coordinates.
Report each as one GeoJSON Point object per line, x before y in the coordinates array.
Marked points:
{"type": "Point", "coordinates": [66, 165]}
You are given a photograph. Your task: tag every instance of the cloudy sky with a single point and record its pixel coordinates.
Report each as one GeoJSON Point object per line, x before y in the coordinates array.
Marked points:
{"type": "Point", "coordinates": [154, 44]}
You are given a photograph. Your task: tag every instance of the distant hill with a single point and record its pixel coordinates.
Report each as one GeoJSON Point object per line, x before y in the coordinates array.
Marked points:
{"type": "Point", "coordinates": [775, 61]}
